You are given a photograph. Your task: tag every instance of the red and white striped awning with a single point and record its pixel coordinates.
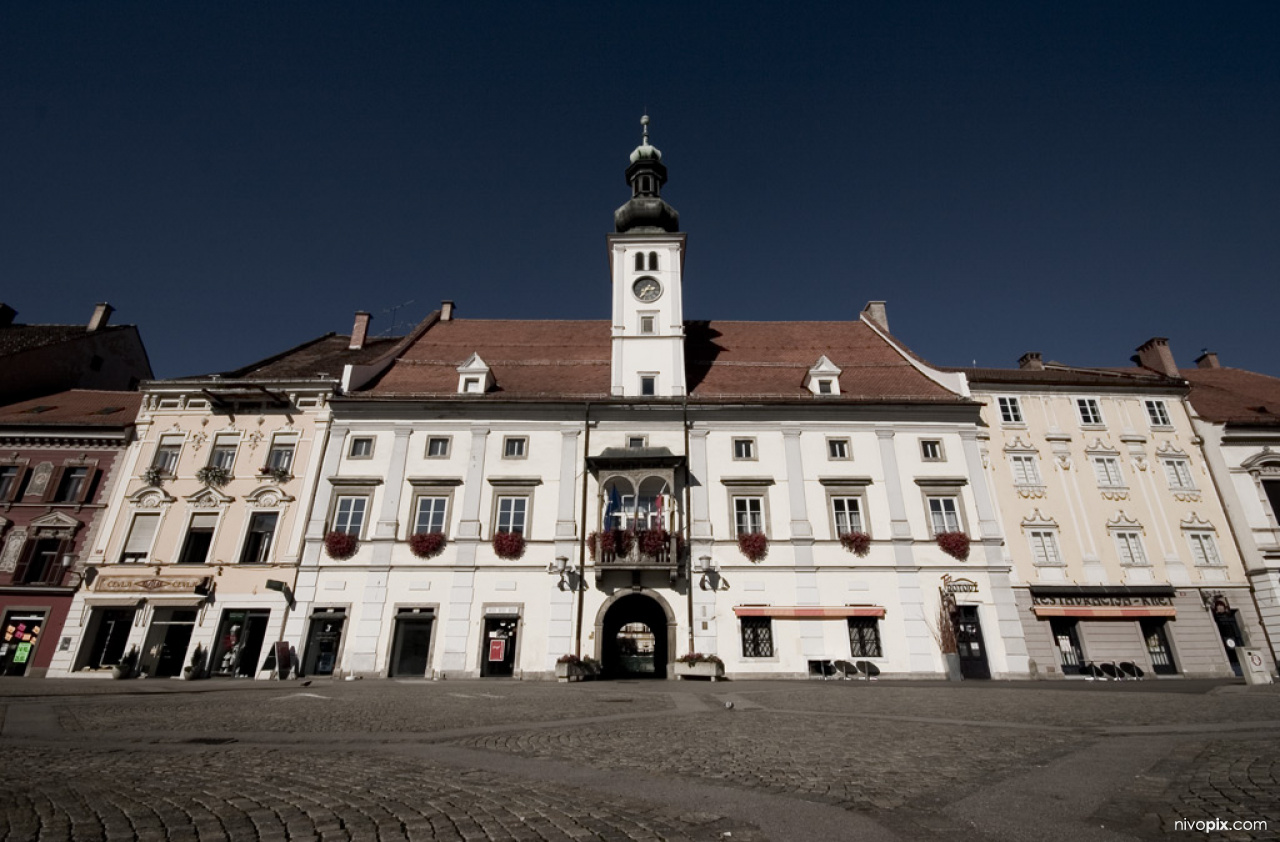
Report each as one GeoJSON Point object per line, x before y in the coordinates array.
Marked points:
{"type": "Point", "coordinates": [808, 612]}
{"type": "Point", "coordinates": [1105, 613]}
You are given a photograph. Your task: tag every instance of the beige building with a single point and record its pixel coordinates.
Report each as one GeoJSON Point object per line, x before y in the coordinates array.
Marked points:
{"type": "Point", "coordinates": [1121, 550]}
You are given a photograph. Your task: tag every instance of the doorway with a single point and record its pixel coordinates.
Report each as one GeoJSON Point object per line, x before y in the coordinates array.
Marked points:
{"type": "Point", "coordinates": [499, 655]}
{"type": "Point", "coordinates": [165, 649]}
{"type": "Point", "coordinates": [21, 634]}
{"type": "Point", "coordinates": [1228, 623]}
{"type": "Point", "coordinates": [411, 644]}
{"type": "Point", "coordinates": [1157, 638]}
{"type": "Point", "coordinates": [106, 636]}
{"type": "Point", "coordinates": [238, 647]}
{"type": "Point", "coordinates": [635, 640]}
{"type": "Point", "coordinates": [323, 640]}
{"type": "Point", "coordinates": [972, 649]}
{"type": "Point", "coordinates": [1066, 634]}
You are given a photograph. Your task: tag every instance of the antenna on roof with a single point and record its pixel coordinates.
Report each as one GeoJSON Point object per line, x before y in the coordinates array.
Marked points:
{"type": "Point", "coordinates": [395, 323]}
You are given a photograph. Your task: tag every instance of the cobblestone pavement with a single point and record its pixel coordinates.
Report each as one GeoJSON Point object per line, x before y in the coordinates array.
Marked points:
{"type": "Point", "coordinates": [522, 761]}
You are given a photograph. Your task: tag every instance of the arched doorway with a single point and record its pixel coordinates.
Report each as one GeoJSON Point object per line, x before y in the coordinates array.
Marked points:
{"type": "Point", "coordinates": [635, 638]}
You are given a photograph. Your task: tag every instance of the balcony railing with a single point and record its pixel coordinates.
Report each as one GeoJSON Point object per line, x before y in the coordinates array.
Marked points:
{"type": "Point", "coordinates": [630, 550]}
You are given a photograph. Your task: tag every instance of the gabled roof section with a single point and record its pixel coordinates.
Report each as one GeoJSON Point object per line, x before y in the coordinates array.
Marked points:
{"type": "Point", "coordinates": [724, 361]}
{"type": "Point", "coordinates": [17, 339]}
{"type": "Point", "coordinates": [1059, 374]}
{"type": "Point", "coordinates": [324, 356]}
{"type": "Point", "coordinates": [74, 408]}
{"type": "Point", "coordinates": [1234, 396]}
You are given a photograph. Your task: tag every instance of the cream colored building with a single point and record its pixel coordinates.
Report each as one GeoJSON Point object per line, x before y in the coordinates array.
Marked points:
{"type": "Point", "coordinates": [1121, 550]}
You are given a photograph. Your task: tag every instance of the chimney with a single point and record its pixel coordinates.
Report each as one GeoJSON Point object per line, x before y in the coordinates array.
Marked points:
{"type": "Point", "coordinates": [7, 314]}
{"type": "Point", "coordinates": [359, 331]}
{"type": "Point", "coordinates": [101, 314]}
{"type": "Point", "coordinates": [446, 311]}
{"type": "Point", "coordinates": [1207, 359]}
{"type": "Point", "coordinates": [1155, 354]}
{"type": "Point", "coordinates": [1030, 361]}
{"type": "Point", "coordinates": [875, 311]}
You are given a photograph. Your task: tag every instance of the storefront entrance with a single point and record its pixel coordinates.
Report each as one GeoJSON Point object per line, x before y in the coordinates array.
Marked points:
{"type": "Point", "coordinates": [411, 645]}
{"type": "Point", "coordinates": [105, 637]}
{"type": "Point", "coordinates": [1153, 631]}
{"type": "Point", "coordinates": [1228, 623]}
{"type": "Point", "coordinates": [499, 656]}
{"type": "Point", "coordinates": [972, 649]}
{"type": "Point", "coordinates": [238, 648]}
{"type": "Point", "coordinates": [165, 649]}
{"type": "Point", "coordinates": [634, 641]}
{"type": "Point", "coordinates": [1066, 635]}
{"type": "Point", "coordinates": [18, 647]}
{"type": "Point", "coordinates": [321, 656]}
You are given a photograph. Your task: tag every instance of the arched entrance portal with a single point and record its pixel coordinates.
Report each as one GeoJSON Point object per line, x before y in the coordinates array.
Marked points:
{"type": "Point", "coordinates": [635, 638]}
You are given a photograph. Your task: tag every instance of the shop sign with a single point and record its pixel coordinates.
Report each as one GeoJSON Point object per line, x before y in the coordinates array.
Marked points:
{"type": "Point", "coordinates": [497, 650]}
{"type": "Point", "coordinates": [22, 653]}
{"type": "Point", "coordinates": [120, 583]}
{"type": "Point", "coordinates": [1102, 601]}
{"type": "Point", "coordinates": [951, 585]}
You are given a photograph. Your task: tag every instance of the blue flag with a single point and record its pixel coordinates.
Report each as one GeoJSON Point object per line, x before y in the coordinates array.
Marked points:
{"type": "Point", "coordinates": [614, 506]}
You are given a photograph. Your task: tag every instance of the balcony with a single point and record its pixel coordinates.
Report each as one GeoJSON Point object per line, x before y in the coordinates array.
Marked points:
{"type": "Point", "coordinates": [651, 549]}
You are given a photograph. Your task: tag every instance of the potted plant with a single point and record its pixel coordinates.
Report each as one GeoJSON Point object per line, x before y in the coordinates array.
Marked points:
{"type": "Point", "coordinates": [126, 665]}
{"type": "Point", "coordinates": [954, 544]}
{"type": "Point", "coordinates": [571, 668]}
{"type": "Point", "coordinates": [153, 476]}
{"type": "Point", "coordinates": [426, 544]}
{"type": "Point", "coordinates": [277, 474]}
{"type": "Point", "coordinates": [508, 545]}
{"type": "Point", "coordinates": [341, 545]}
{"type": "Point", "coordinates": [215, 476]}
{"type": "Point", "coordinates": [653, 542]}
{"type": "Point", "coordinates": [698, 665]}
{"type": "Point", "coordinates": [945, 636]}
{"type": "Point", "coordinates": [753, 545]}
{"type": "Point", "coordinates": [858, 543]}
{"type": "Point", "coordinates": [195, 669]}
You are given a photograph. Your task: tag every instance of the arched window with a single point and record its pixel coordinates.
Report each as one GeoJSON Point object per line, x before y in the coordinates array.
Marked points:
{"type": "Point", "coordinates": [653, 261]}
{"type": "Point", "coordinates": [639, 261]}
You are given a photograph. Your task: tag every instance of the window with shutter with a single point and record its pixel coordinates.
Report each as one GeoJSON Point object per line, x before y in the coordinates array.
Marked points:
{"type": "Point", "coordinates": [141, 534]}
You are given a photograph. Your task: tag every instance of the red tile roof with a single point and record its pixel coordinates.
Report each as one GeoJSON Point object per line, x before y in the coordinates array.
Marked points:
{"type": "Point", "coordinates": [1232, 395]}
{"type": "Point", "coordinates": [76, 408]}
{"type": "Point", "coordinates": [724, 361]}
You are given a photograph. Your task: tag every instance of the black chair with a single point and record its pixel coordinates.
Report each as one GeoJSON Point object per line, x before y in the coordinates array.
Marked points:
{"type": "Point", "coordinates": [869, 670]}
{"type": "Point", "coordinates": [1132, 670]}
{"type": "Point", "coordinates": [1092, 672]}
{"type": "Point", "coordinates": [1110, 671]}
{"type": "Point", "coordinates": [846, 669]}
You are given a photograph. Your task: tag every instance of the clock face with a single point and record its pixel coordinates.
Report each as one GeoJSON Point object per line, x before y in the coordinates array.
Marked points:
{"type": "Point", "coordinates": [647, 290]}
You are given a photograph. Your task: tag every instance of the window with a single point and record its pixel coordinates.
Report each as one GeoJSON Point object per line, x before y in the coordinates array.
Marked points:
{"type": "Point", "coordinates": [515, 447]}
{"type": "Point", "coordinates": [195, 549]}
{"type": "Point", "coordinates": [943, 515]}
{"type": "Point", "coordinates": [1044, 547]}
{"type": "Point", "coordinates": [1129, 545]}
{"type": "Point", "coordinates": [1158, 414]}
{"type": "Point", "coordinates": [864, 637]}
{"type": "Point", "coordinates": [71, 488]}
{"type": "Point", "coordinates": [1178, 472]}
{"type": "Point", "coordinates": [824, 387]}
{"type": "Point", "coordinates": [639, 261]}
{"type": "Point", "coordinates": [40, 565]}
{"type": "Point", "coordinates": [361, 448]}
{"type": "Point", "coordinates": [438, 447]}
{"type": "Point", "coordinates": [280, 457]}
{"type": "Point", "coordinates": [634, 442]}
{"type": "Point", "coordinates": [1090, 414]}
{"type": "Point", "coordinates": [648, 325]}
{"type": "Point", "coordinates": [257, 542]}
{"type": "Point", "coordinates": [748, 515]}
{"type": "Point", "coordinates": [9, 476]}
{"type": "Point", "coordinates": [166, 458]}
{"type": "Point", "coordinates": [931, 450]}
{"type": "Point", "coordinates": [837, 448]}
{"type": "Point", "coordinates": [744, 448]}
{"type": "Point", "coordinates": [1204, 549]}
{"type": "Point", "coordinates": [1107, 470]}
{"type": "Point", "coordinates": [223, 454]}
{"type": "Point", "coordinates": [1272, 489]}
{"type": "Point", "coordinates": [141, 533]}
{"type": "Point", "coordinates": [757, 637]}
{"type": "Point", "coordinates": [348, 515]}
{"type": "Point", "coordinates": [1026, 471]}
{"type": "Point", "coordinates": [653, 261]}
{"type": "Point", "coordinates": [512, 514]}
{"type": "Point", "coordinates": [648, 385]}
{"type": "Point", "coordinates": [846, 514]}
{"type": "Point", "coordinates": [471, 384]}
{"type": "Point", "coordinates": [430, 516]}
{"type": "Point", "coordinates": [1010, 410]}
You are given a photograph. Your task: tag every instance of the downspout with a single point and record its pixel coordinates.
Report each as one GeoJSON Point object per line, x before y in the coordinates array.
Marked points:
{"type": "Point", "coordinates": [582, 531]}
{"type": "Point", "coordinates": [684, 518]}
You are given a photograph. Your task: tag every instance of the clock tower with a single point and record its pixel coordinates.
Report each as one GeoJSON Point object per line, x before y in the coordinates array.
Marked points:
{"type": "Point", "coordinates": [646, 260]}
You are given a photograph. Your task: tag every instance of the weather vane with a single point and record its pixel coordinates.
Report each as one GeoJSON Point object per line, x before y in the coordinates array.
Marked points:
{"type": "Point", "coordinates": [644, 123]}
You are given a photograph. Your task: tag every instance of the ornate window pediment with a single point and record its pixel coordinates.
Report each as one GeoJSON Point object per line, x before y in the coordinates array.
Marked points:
{"type": "Point", "coordinates": [1099, 446]}
{"type": "Point", "coordinates": [1123, 521]}
{"type": "Point", "coordinates": [55, 522]}
{"type": "Point", "coordinates": [151, 497]}
{"type": "Point", "coordinates": [1194, 521]}
{"type": "Point", "coordinates": [268, 497]}
{"type": "Point", "coordinates": [1020, 446]}
{"type": "Point", "coordinates": [1168, 448]}
{"type": "Point", "coordinates": [1036, 520]}
{"type": "Point", "coordinates": [208, 498]}
{"type": "Point", "coordinates": [1265, 461]}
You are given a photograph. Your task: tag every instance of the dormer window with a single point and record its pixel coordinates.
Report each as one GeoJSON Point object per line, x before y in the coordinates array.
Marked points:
{"type": "Point", "coordinates": [474, 376]}
{"type": "Point", "coordinates": [823, 378]}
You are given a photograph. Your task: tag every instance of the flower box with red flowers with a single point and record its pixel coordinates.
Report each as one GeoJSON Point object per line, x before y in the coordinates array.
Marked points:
{"type": "Point", "coordinates": [341, 545]}
{"type": "Point", "coordinates": [753, 545]}
{"type": "Point", "coordinates": [426, 544]}
{"type": "Point", "coordinates": [954, 544]}
{"type": "Point", "coordinates": [508, 545]}
{"type": "Point", "coordinates": [858, 543]}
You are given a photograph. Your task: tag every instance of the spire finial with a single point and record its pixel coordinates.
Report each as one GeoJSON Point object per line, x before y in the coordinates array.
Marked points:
{"type": "Point", "coordinates": [644, 123]}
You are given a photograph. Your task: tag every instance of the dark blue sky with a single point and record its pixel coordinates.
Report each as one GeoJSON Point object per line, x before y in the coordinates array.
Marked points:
{"type": "Point", "coordinates": [236, 178]}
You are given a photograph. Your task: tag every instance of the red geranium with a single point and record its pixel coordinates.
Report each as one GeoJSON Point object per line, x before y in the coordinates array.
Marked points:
{"type": "Point", "coordinates": [426, 544]}
{"type": "Point", "coordinates": [753, 545]}
{"type": "Point", "coordinates": [653, 542]}
{"type": "Point", "coordinates": [954, 544]}
{"type": "Point", "coordinates": [508, 545]}
{"type": "Point", "coordinates": [340, 545]}
{"type": "Point", "coordinates": [858, 543]}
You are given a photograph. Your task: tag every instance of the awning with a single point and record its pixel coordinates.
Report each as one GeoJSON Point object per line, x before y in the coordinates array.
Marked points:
{"type": "Point", "coordinates": [808, 612]}
{"type": "Point", "coordinates": [1105, 613]}
{"type": "Point", "coordinates": [175, 601]}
